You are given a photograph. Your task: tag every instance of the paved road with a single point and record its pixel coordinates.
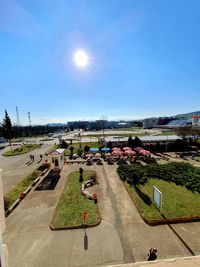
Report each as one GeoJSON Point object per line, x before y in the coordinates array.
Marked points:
{"type": "Point", "coordinates": [121, 237]}
{"type": "Point", "coordinates": [15, 167]}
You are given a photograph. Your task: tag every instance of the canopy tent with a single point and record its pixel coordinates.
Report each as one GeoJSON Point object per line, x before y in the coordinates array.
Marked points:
{"type": "Point", "coordinates": [127, 148]}
{"type": "Point", "coordinates": [144, 152]}
{"type": "Point", "coordinates": [105, 149]}
{"type": "Point", "coordinates": [129, 152]}
{"type": "Point", "coordinates": [138, 148]}
{"type": "Point", "coordinates": [94, 149]}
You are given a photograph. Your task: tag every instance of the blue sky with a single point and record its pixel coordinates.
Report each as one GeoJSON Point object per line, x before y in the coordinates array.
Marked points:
{"type": "Point", "coordinates": [144, 59]}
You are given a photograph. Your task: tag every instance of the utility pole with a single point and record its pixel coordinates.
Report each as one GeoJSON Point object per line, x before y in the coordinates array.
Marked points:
{"type": "Point", "coordinates": [17, 113]}
{"type": "Point", "coordinates": [29, 118]}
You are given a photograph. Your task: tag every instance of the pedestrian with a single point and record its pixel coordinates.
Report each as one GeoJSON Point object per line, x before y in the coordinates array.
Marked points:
{"type": "Point", "coordinates": [40, 156]}
{"type": "Point", "coordinates": [32, 157]}
{"type": "Point", "coordinates": [152, 254]}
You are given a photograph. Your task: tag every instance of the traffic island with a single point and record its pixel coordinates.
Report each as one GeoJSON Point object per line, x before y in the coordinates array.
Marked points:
{"type": "Point", "coordinates": [72, 206]}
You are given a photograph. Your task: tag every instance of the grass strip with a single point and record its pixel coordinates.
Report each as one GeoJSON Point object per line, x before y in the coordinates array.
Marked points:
{"type": "Point", "coordinates": [20, 150]}
{"type": "Point", "coordinates": [81, 145]}
{"type": "Point", "coordinates": [177, 200]}
{"type": "Point", "coordinates": [72, 204]}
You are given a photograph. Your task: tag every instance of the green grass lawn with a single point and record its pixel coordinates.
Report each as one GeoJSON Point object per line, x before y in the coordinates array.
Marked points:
{"type": "Point", "coordinates": [20, 150]}
{"type": "Point", "coordinates": [77, 146]}
{"type": "Point", "coordinates": [14, 193]}
{"type": "Point", "coordinates": [197, 159]}
{"type": "Point", "coordinates": [69, 212]}
{"type": "Point", "coordinates": [177, 200]}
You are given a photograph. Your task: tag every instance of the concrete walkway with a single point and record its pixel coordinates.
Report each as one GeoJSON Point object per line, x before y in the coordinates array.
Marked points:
{"type": "Point", "coordinates": [122, 236]}
{"type": "Point", "coordinates": [175, 262]}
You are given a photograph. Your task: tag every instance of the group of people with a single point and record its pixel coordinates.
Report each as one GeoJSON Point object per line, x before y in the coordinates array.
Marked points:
{"type": "Point", "coordinates": [32, 157]}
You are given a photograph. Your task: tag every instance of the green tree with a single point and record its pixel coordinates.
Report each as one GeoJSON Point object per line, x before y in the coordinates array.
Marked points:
{"type": "Point", "coordinates": [64, 144]}
{"type": "Point", "coordinates": [71, 149]}
{"type": "Point", "coordinates": [7, 127]}
{"type": "Point", "coordinates": [110, 145]}
{"type": "Point", "coordinates": [86, 148]}
{"type": "Point", "coordinates": [130, 142]}
{"type": "Point", "coordinates": [137, 142]}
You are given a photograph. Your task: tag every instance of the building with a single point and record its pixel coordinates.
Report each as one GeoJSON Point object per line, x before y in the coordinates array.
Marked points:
{"type": "Point", "coordinates": [56, 158]}
{"type": "Point", "coordinates": [150, 123]}
{"type": "Point", "coordinates": [196, 120]}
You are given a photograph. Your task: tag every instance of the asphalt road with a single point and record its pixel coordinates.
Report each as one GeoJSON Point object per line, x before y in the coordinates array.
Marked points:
{"type": "Point", "coordinates": [15, 168]}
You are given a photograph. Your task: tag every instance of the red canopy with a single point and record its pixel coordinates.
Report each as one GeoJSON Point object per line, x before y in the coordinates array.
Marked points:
{"type": "Point", "coordinates": [144, 152]}
{"type": "Point", "coordinates": [127, 148]}
{"type": "Point", "coordinates": [138, 148]}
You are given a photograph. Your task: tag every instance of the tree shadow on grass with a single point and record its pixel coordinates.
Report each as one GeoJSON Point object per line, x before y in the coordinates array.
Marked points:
{"type": "Point", "coordinates": [143, 196]}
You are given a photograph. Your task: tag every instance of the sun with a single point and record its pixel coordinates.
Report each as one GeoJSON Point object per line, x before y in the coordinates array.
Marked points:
{"type": "Point", "coordinates": [81, 58]}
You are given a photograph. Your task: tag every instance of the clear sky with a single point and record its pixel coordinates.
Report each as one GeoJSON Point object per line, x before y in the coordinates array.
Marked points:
{"type": "Point", "coordinates": [144, 59]}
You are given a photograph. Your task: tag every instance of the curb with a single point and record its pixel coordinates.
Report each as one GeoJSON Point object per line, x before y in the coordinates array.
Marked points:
{"type": "Point", "coordinates": [44, 171]}
{"type": "Point", "coordinates": [75, 227]}
{"type": "Point", "coordinates": [163, 221]}
{"type": "Point", "coordinates": [13, 206]}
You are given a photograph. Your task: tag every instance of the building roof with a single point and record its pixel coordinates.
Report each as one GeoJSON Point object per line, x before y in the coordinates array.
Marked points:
{"type": "Point", "coordinates": [196, 117]}
{"type": "Point", "coordinates": [57, 151]}
{"type": "Point", "coordinates": [144, 138]}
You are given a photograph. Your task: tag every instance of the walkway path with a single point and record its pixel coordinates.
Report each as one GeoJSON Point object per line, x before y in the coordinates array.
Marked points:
{"type": "Point", "coordinates": [121, 237]}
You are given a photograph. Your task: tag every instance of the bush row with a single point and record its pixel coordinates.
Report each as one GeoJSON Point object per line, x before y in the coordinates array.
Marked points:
{"type": "Point", "coordinates": [183, 174]}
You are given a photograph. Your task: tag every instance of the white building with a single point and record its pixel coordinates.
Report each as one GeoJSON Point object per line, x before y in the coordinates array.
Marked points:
{"type": "Point", "coordinates": [56, 158]}
{"type": "Point", "coordinates": [196, 120]}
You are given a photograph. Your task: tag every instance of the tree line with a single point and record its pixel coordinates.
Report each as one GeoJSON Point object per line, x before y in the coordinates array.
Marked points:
{"type": "Point", "coordinates": [9, 131]}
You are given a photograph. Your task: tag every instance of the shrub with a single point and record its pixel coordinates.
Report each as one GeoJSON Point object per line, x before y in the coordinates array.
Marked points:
{"type": "Point", "coordinates": [183, 174]}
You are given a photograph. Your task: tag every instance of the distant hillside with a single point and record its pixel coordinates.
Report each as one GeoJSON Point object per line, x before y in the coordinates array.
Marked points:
{"type": "Point", "coordinates": [187, 115]}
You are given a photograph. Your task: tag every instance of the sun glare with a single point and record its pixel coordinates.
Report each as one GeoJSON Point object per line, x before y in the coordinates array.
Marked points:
{"type": "Point", "coordinates": [81, 58]}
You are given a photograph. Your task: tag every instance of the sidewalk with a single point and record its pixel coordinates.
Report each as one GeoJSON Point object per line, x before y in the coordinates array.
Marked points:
{"type": "Point", "coordinates": [122, 237]}
{"type": "Point", "coordinates": [176, 262]}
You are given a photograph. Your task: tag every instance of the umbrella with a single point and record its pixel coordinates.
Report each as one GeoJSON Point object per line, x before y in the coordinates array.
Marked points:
{"type": "Point", "coordinates": [97, 155]}
{"type": "Point", "coordinates": [127, 148]}
{"type": "Point", "coordinates": [89, 155]}
{"type": "Point", "coordinates": [138, 148]}
{"type": "Point", "coordinates": [129, 152]}
{"type": "Point", "coordinates": [144, 152]}
{"type": "Point", "coordinates": [116, 148]}
{"type": "Point", "coordinates": [116, 153]}
{"type": "Point", "coordinates": [105, 149]}
{"type": "Point", "coordinates": [94, 149]}
{"type": "Point", "coordinates": [107, 154]}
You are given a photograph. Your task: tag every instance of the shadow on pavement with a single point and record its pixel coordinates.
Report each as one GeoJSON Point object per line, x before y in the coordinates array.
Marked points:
{"type": "Point", "coordinates": [50, 181]}
{"type": "Point", "coordinates": [85, 241]}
